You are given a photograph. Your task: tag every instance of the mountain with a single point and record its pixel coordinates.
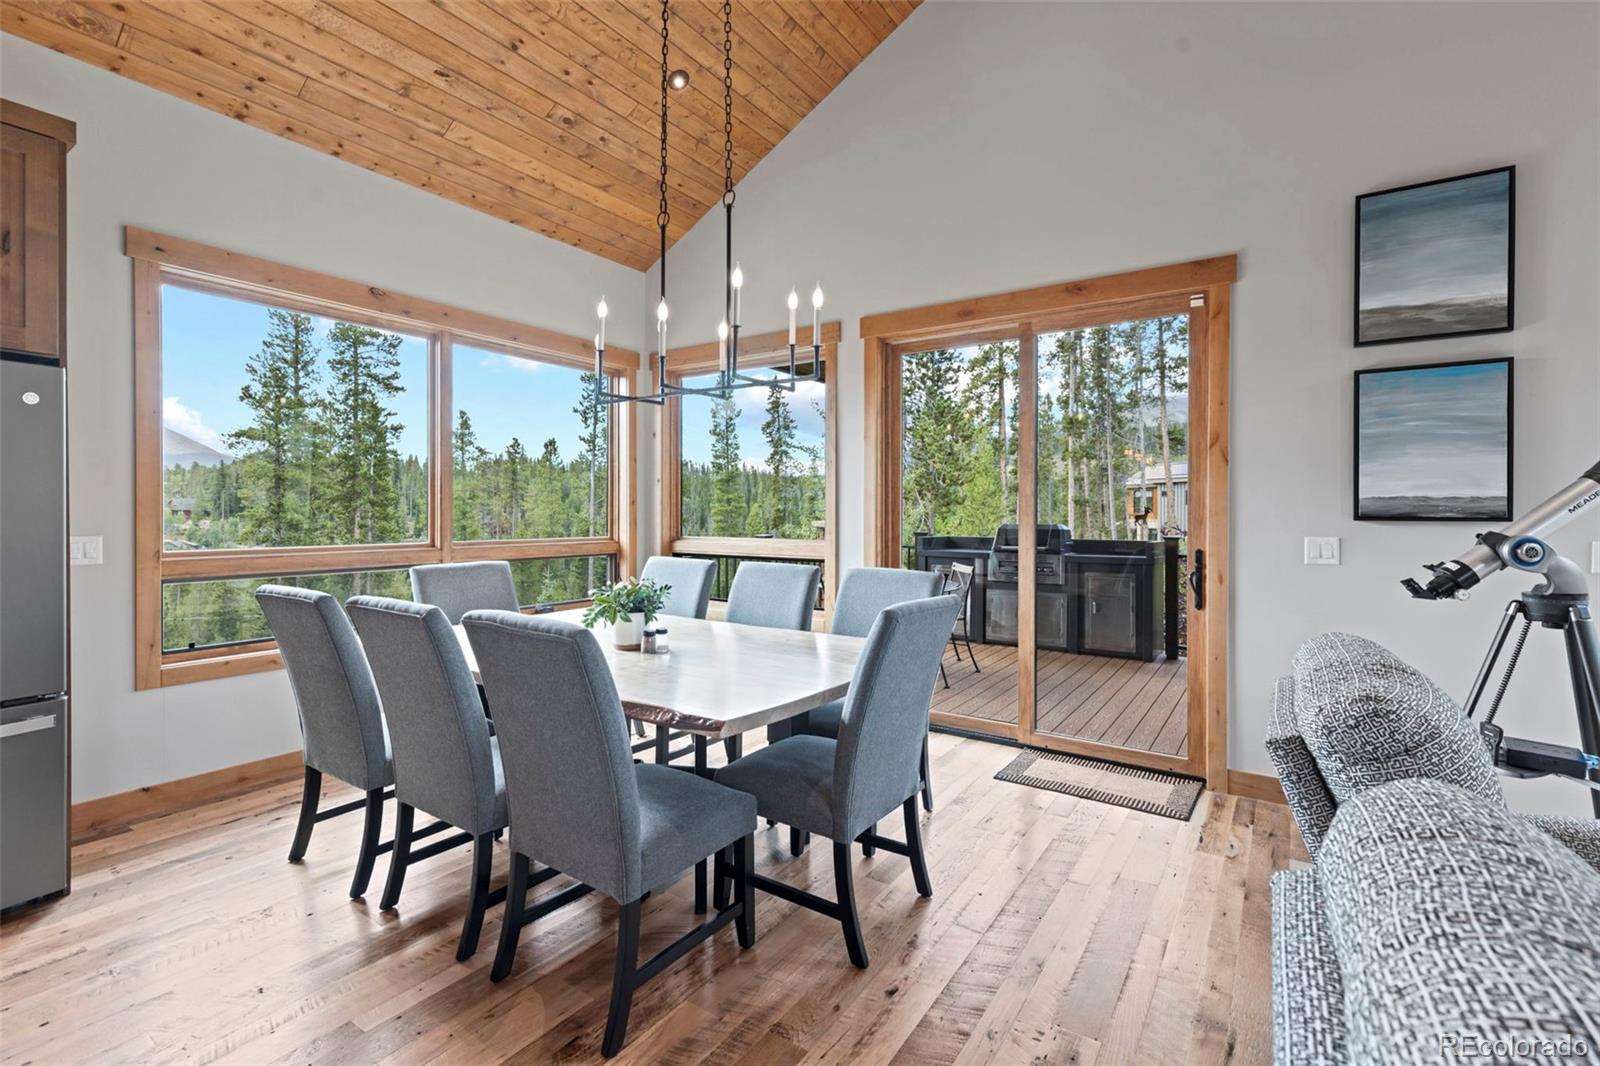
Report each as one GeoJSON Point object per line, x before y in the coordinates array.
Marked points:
{"type": "Point", "coordinates": [181, 450]}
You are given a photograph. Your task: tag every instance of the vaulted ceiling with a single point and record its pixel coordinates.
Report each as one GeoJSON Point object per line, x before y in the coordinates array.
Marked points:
{"type": "Point", "coordinates": [545, 113]}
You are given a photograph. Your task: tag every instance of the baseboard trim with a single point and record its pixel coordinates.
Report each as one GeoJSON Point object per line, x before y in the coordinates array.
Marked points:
{"type": "Point", "coordinates": [96, 817]}
{"type": "Point", "coordinates": [1255, 786]}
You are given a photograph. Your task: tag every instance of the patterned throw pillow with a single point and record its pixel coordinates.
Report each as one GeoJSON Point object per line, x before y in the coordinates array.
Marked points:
{"type": "Point", "coordinates": [1368, 718]}
{"type": "Point", "coordinates": [1461, 932]}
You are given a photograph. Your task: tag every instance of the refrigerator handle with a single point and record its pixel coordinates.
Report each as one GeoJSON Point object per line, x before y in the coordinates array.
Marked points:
{"type": "Point", "coordinates": [27, 725]}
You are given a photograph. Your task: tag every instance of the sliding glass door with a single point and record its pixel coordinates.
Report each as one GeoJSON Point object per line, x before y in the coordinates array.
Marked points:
{"type": "Point", "coordinates": [1109, 424]}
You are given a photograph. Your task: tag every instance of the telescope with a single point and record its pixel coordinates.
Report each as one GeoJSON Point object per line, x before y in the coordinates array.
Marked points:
{"type": "Point", "coordinates": [1559, 602]}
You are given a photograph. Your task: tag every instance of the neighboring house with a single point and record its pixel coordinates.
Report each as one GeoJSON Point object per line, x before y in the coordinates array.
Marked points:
{"type": "Point", "coordinates": [1147, 498]}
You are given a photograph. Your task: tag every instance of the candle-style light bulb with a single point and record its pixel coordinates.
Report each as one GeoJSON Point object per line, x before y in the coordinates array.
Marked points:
{"type": "Point", "coordinates": [816, 297]}
{"type": "Point", "coordinates": [722, 345]}
{"type": "Point", "coordinates": [738, 276]}
{"type": "Point", "coordinates": [816, 315]}
{"type": "Point", "coordinates": [736, 279]}
{"type": "Point", "coordinates": [601, 310]}
{"type": "Point", "coordinates": [661, 311]}
{"type": "Point", "coordinates": [794, 302]}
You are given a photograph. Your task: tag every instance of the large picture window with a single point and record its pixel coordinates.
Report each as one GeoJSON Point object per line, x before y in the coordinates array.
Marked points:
{"type": "Point", "coordinates": [301, 429]}
{"type": "Point", "coordinates": [752, 476]}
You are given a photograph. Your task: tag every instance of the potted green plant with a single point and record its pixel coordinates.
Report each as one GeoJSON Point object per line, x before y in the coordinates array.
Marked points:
{"type": "Point", "coordinates": [627, 606]}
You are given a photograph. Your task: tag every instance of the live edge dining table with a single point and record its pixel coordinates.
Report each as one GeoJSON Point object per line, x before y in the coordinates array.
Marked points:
{"type": "Point", "coordinates": [720, 679]}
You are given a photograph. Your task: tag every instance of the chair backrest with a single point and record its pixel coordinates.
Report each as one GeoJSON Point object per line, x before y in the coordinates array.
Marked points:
{"type": "Point", "coordinates": [443, 762]}
{"type": "Point", "coordinates": [885, 715]}
{"type": "Point", "coordinates": [689, 581]}
{"type": "Point", "coordinates": [341, 717]}
{"type": "Point", "coordinates": [570, 782]}
{"type": "Point", "coordinates": [456, 588]}
{"type": "Point", "coordinates": [867, 590]}
{"type": "Point", "coordinates": [774, 595]}
{"type": "Point", "coordinates": [961, 586]}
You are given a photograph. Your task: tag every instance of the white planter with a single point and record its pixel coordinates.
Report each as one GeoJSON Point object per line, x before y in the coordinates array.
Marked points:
{"type": "Point", "coordinates": [628, 635]}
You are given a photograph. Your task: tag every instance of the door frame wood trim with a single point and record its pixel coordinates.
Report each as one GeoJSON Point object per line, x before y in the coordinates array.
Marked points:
{"type": "Point", "coordinates": [887, 336]}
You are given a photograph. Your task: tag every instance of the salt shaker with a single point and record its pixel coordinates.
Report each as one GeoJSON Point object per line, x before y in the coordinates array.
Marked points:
{"type": "Point", "coordinates": [647, 641]}
{"type": "Point", "coordinates": [660, 644]}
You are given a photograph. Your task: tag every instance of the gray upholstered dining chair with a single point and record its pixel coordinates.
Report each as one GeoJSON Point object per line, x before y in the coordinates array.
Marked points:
{"type": "Point", "coordinates": [774, 595]}
{"type": "Point", "coordinates": [689, 581]}
{"type": "Point", "coordinates": [341, 719]}
{"type": "Point", "coordinates": [456, 588]}
{"type": "Point", "coordinates": [581, 805]}
{"type": "Point", "coordinates": [863, 594]}
{"type": "Point", "coordinates": [446, 763]}
{"type": "Point", "coordinates": [841, 788]}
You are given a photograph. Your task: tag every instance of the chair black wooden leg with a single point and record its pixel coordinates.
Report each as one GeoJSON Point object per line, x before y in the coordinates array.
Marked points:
{"type": "Point", "coordinates": [744, 852]}
{"type": "Point", "coordinates": [700, 887]}
{"type": "Point", "coordinates": [511, 919]}
{"type": "Point", "coordinates": [623, 979]}
{"type": "Point", "coordinates": [927, 778]}
{"type": "Point", "coordinates": [368, 856]}
{"type": "Point", "coordinates": [868, 848]}
{"type": "Point", "coordinates": [404, 817]}
{"type": "Point", "coordinates": [955, 647]}
{"type": "Point", "coordinates": [482, 859]}
{"type": "Point", "coordinates": [844, 885]}
{"type": "Point", "coordinates": [919, 862]}
{"type": "Point", "coordinates": [942, 675]}
{"type": "Point", "coordinates": [967, 638]}
{"type": "Point", "coordinates": [310, 793]}
{"type": "Point", "coordinates": [722, 880]}
{"type": "Point", "coordinates": [798, 839]}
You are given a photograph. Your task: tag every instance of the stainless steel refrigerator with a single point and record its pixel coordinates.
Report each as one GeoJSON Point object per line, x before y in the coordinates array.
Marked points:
{"type": "Point", "coordinates": [33, 630]}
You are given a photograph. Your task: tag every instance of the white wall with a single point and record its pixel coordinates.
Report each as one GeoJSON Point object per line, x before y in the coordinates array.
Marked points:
{"type": "Point", "coordinates": [988, 147]}
{"type": "Point", "coordinates": [151, 160]}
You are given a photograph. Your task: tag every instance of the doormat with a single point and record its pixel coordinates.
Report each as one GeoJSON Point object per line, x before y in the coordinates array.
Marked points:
{"type": "Point", "coordinates": [1151, 791]}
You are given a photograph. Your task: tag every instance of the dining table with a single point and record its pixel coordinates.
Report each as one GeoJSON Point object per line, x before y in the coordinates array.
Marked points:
{"type": "Point", "coordinates": [718, 680]}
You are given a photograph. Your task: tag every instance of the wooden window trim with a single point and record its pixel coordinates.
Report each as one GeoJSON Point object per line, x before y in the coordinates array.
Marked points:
{"type": "Point", "coordinates": [159, 259]}
{"type": "Point", "coordinates": [888, 336]}
{"type": "Point", "coordinates": [772, 349]}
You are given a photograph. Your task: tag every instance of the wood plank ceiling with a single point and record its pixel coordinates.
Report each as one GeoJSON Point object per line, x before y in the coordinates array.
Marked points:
{"type": "Point", "coordinates": [545, 113]}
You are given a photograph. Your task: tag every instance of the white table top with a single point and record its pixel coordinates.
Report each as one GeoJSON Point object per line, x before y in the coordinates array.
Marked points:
{"type": "Point", "coordinates": [721, 679]}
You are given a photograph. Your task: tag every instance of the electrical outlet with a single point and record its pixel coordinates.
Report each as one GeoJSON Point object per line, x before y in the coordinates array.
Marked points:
{"type": "Point", "coordinates": [1322, 551]}
{"type": "Point", "coordinates": [86, 551]}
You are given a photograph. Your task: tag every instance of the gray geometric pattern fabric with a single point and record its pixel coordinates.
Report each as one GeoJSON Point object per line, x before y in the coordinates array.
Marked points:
{"type": "Point", "coordinates": [341, 719]}
{"type": "Point", "coordinates": [1369, 717]}
{"type": "Point", "coordinates": [1307, 996]}
{"type": "Point", "coordinates": [1452, 918]}
{"type": "Point", "coordinates": [689, 581]}
{"type": "Point", "coordinates": [578, 802]}
{"type": "Point", "coordinates": [456, 588]}
{"type": "Point", "coordinates": [773, 595]}
{"type": "Point", "coordinates": [1303, 786]}
{"type": "Point", "coordinates": [444, 758]}
{"type": "Point", "coordinates": [1580, 835]}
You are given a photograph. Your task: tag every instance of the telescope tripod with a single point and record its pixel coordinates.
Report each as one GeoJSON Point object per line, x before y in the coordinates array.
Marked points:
{"type": "Point", "coordinates": [1570, 613]}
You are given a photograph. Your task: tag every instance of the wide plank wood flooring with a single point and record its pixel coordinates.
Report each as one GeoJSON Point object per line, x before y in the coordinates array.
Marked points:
{"type": "Point", "coordinates": [1125, 702]}
{"type": "Point", "coordinates": [1060, 930]}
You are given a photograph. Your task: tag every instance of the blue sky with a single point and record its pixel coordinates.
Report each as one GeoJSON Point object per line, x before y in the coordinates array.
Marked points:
{"type": "Point", "coordinates": [1434, 432]}
{"type": "Point", "coordinates": [206, 340]}
{"type": "Point", "coordinates": [1440, 241]}
{"type": "Point", "coordinates": [805, 403]}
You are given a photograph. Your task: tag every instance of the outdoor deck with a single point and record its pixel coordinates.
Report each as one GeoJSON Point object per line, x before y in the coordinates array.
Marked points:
{"type": "Point", "coordinates": [1124, 702]}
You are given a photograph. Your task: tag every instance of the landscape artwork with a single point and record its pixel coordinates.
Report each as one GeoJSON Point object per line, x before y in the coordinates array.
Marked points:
{"type": "Point", "coordinates": [1434, 442]}
{"type": "Point", "coordinates": [1435, 259]}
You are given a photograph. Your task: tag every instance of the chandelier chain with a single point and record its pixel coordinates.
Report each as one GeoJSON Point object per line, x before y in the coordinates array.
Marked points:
{"type": "Point", "coordinates": [663, 217]}
{"type": "Point", "coordinates": [727, 102]}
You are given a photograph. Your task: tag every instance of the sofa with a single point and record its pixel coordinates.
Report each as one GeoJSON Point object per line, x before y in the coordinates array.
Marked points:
{"type": "Point", "coordinates": [1434, 924]}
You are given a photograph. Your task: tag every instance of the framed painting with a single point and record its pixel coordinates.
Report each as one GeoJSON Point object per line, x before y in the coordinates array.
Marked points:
{"type": "Point", "coordinates": [1433, 442]}
{"type": "Point", "coordinates": [1436, 259]}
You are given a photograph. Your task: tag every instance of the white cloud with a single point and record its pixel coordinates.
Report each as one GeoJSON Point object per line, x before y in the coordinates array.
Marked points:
{"type": "Point", "coordinates": [511, 362]}
{"type": "Point", "coordinates": [186, 420]}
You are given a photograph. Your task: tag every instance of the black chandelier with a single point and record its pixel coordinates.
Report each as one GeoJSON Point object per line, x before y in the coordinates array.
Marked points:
{"type": "Point", "coordinates": [729, 377]}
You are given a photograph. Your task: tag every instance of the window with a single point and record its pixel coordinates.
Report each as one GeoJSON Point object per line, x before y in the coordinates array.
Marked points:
{"type": "Point", "coordinates": [300, 429]}
{"type": "Point", "coordinates": [752, 476]}
{"type": "Point", "coordinates": [753, 464]}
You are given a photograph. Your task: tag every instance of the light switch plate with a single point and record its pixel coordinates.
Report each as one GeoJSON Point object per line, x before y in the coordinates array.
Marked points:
{"type": "Point", "coordinates": [1322, 551]}
{"type": "Point", "coordinates": [86, 551]}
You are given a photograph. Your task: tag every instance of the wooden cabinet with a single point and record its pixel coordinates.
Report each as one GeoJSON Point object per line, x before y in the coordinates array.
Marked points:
{"type": "Point", "coordinates": [33, 182]}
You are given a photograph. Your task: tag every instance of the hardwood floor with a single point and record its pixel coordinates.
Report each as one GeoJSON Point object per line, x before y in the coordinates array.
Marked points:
{"type": "Point", "coordinates": [1124, 702]}
{"type": "Point", "coordinates": [1060, 930]}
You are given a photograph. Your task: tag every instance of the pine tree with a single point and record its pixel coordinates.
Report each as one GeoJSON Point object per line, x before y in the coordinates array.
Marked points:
{"type": "Point", "coordinates": [939, 440]}
{"type": "Point", "coordinates": [729, 507]}
{"type": "Point", "coordinates": [778, 431]}
{"type": "Point", "coordinates": [275, 447]}
{"type": "Point", "coordinates": [592, 441]}
{"type": "Point", "coordinates": [1172, 376]}
{"type": "Point", "coordinates": [513, 480]}
{"type": "Point", "coordinates": [469, 458]}
{"type": "Point", "coordinates": [360, 504]}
